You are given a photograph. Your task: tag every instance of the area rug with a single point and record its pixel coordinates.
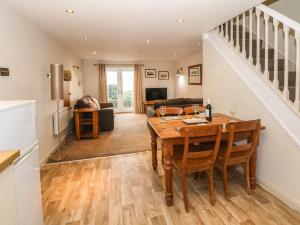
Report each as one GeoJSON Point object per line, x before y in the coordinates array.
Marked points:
{"type": "Point", "coordinates": [130, 135]}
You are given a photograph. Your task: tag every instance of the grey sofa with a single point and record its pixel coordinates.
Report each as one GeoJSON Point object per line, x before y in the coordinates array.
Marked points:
{"type": "Point", "coordinates": [176, 102]}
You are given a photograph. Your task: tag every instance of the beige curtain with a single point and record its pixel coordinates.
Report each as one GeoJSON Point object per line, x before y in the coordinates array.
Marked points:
{"type": "Point", "coordinates": [102, 84]}
{"type": "Point", "coordinates": [138, 94]}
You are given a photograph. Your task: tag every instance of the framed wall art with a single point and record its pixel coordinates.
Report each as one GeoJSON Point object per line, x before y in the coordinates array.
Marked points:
{"type": "Point", "coordinates": [195, 74]}
{"type": "Point", "coordinates": [150, 73]}
{"type": "Point", "coordinates": [163, 75]}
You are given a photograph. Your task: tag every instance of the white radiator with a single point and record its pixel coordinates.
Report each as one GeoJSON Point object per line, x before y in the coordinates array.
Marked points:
{"type": "Point", "coordinates": [63, 120]}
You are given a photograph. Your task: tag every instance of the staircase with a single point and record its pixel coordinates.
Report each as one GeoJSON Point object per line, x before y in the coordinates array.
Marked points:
{"type": "Point", "coordinates": [270, 44]}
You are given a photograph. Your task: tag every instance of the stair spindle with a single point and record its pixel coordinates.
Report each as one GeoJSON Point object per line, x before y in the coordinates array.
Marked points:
{"type": "Point", "coordinates": [231, 32]}
{"type": "Point", "coordinates": [222, 30]}
{"type": "Point", "coordinates": [250, 35]}
{"type": "Point", "coordinates": [244, 36]}
{"type": "Point", "coordinates": [227, 32]}
{"type": "Point", "coordinates": [258, 67]}
{"type": "Point", "coordinates": [275, 81]}
{"type": "Point", "coordinates": [266, 72]}
{"type": "Point", "coordinates": [237, 46]}
{"type": "Point", "coordinates": [297, 97]}
{"type": "Point", "coordinates": [286, 30]}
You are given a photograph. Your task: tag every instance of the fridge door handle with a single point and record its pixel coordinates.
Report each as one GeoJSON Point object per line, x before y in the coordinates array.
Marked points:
{"type": "Point", "coordinates": [24, 157]}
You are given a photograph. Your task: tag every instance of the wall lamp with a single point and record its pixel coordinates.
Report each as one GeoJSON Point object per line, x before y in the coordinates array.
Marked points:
{"type": "Point", "coordinates": [179, 72]}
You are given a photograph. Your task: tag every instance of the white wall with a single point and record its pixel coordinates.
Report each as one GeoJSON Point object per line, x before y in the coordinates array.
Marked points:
{"type": "Point", "coordinates": [91, 80]}
{"type": "Point", "coordinates": [28, 53]}
{"type": "Point", "coordinates": [278, 165]}
{"type": "Point", "coordinates": [289, 8]}
{"type": "Point", "coordinates": [182, 88]}
{"type": "Point", "coordinates": [154, 82]}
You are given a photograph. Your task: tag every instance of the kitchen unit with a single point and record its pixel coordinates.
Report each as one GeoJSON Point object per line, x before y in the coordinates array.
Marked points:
{"type": "Point", "coordinates": [22, 176]}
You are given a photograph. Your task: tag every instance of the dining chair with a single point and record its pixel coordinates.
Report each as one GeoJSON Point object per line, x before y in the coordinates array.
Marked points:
{"type": "Point", "coordinates": [237, 151]}
{"type": "Point", "coordinates": [189, 110]}
{"type": "Point", "coordinates": [171, 111]}
{"type": "Point", "coordinates": [198, 154]}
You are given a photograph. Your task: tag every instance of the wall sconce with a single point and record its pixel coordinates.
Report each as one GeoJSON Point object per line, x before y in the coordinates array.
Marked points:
{"type": "Point", "coordinates": [179, 72]}
{"type": "Point", "coordinates": [76, 67]}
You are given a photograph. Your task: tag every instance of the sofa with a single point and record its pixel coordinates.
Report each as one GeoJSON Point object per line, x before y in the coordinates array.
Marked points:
{"type": "Point", "coordinates": [176, 102]}
{"type": "Point", "coordinates": [106, 112]}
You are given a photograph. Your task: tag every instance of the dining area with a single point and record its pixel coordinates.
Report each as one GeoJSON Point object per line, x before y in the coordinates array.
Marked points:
{"type": "Point", "coordinates": [196, 142]}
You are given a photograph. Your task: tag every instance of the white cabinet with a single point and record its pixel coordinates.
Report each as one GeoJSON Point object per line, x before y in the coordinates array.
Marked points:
{"type": "Point", "coordinates": [8, 207]}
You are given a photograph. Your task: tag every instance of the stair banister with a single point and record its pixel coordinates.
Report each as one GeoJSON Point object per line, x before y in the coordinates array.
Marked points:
{"type": "Point", "coordinates": [275, 80]}
{"type": "Point", "coordinates": [237, 34]}
{"type": "Point", "coordinates": [297, 97]}
{"type": "Point", "coordinates": [286, 30]}
{"type": "Point", "coordinates": [276, 20]}
{"type": "Point", "coordinates": [258, 40]}
{"type": "Point", "coordinates": [266, 72]}
{"type": "Point", "coordinates": [244, 35]}
{"type": "Point", "coordinates": [280, 17]}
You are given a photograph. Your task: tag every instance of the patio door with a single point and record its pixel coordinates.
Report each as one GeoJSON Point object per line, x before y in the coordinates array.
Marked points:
{"type": "Point", "coordinates": [120, 88]}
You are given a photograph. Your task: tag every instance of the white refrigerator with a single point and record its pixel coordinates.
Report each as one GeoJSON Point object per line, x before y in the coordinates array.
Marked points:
{"type": "Point", "coordinates": [18, 131]}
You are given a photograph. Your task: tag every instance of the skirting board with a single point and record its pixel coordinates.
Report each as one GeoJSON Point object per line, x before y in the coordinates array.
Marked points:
{"type": "Point", "coordinates": [45, 160]}
{"type": "Point", "coordinates": [283, 196]}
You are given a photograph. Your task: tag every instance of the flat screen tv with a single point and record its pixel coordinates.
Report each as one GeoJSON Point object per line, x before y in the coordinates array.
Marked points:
{"type": "Point", "coordinates": [156, 94]}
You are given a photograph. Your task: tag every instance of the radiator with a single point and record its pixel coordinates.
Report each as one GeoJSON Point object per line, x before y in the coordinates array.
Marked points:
{"type": "Point", "coordinates": [63, 120]}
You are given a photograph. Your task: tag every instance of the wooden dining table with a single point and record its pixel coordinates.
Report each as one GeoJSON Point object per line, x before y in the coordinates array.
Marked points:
{"type": "Point", "coordinates": [168, 133]}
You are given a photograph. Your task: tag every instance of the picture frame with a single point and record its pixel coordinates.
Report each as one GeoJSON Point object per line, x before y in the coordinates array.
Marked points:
{"type": "Point", "coordinates": [195, 74]}
{"type": "Point", "coordinates": [150, 73]}
{"type": "Point", "coordinates": [163, 75]}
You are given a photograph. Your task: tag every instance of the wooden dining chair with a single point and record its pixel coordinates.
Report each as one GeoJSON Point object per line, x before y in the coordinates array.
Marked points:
{"type": "Point", "coordinates": [189, 110]}
{"type": "Point", "coordinates": [171, 111]}
{"type": "Point", "coordinates": [198, 154]}
{"type": "Point", "coordinates": [234, 153]}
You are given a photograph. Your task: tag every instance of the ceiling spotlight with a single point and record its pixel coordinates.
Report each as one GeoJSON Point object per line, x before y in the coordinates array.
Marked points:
{"type": "Point", "coordinates": [70, 11]}
{"type": "Point", "coordinates": [148, 41]}
{"type": "Point", "coordinates": [175, 54]}
{"type": "Point", "coordinates": [180, 20]}
{"type": "Point", "coordinates": [85, 38]}
{"type": "Point", "coordinates": [94, 53]}
{"type": "Point", "coordinates": [199, 43]}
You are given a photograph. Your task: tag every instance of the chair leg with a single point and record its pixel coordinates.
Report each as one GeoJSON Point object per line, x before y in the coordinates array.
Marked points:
{"type": "Point", "coordinates": [225, 185]}
{"type": "Point", "coordinates": [184, 192]}
{"type": "Point", "coordinates": [247, 178]}
{"type": "Point", "coordinates": [211, 186]}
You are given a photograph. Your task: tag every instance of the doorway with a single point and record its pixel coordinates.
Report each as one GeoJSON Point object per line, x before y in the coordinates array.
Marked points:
{"type": "Point", "coordinates": [120, 88]}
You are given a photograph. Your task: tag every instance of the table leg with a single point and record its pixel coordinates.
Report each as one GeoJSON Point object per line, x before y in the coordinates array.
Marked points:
{"type": "Point", "coordinates": [77, 126]}
{"type": "Point", "coordinates": [95, 125]}
{"type": "Point", "coordinates": [153, 147]}
{"type": "Point", "coordinates": [168, 167]}
{"type": "Point", "coordinates": [253, 169]}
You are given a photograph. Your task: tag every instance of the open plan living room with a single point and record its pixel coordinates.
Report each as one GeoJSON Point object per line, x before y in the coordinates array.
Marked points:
{"type": "Point", "coordinates": [139, 112]}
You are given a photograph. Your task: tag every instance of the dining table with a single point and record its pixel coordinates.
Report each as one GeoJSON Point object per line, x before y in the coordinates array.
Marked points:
{"type": "Point", "coordinates": [167, 129]}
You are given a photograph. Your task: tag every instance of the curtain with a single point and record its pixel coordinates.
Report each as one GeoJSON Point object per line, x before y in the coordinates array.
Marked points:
{"type": "Point", "coordinates": [138, 95]}
{"type": "Point", "coordinates": [102, 84]}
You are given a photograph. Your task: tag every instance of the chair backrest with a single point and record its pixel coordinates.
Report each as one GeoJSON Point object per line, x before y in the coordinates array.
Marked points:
{"type": "Point", "coordinates": [247, 133]}
{"type": "Point", "coordinates": [171, 111]}
{"type": "Point", "coordinates": [200, 135]}
{"type": "Point", "coordinates": [189, 110]}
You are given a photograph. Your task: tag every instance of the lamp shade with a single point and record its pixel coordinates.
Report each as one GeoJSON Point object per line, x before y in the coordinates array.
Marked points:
{"type": "Point", "coordinates": [57, 81]}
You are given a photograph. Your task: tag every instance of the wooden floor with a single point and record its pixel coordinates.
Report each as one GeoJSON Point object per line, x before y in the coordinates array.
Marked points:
{"type": "Point", "coordinates": [125, 190]}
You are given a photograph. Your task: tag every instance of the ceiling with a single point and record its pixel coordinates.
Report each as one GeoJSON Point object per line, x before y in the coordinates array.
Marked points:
{"type": "Point", "coordinates": [118, 29]}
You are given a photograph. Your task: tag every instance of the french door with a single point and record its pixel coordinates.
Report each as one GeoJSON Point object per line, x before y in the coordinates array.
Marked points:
{"type": "Point", "coordinates": [120, 89]}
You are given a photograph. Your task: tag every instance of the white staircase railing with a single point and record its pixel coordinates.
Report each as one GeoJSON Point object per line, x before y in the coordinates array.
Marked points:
{"type": "Point", "coordinates": [270, 43]}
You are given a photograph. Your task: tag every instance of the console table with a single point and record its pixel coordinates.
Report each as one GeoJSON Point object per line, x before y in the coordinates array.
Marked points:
{"type": "Point", "coordinates": [80, 122]}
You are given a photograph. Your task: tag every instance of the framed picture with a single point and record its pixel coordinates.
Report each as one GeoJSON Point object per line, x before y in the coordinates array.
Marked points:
{"type": "Point", "coordinates": [195, 74]}
{"type": "Point", "coordinates": [163, 75]}
{"type": "Point", "coordinates": [150, 73]}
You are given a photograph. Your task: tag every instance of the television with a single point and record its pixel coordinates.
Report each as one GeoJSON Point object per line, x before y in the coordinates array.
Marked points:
{"type": "Point", "coordinates": [156, 94]}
